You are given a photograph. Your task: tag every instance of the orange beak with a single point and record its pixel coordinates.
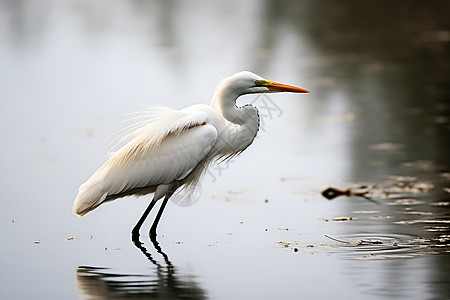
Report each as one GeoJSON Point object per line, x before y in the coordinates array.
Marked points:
{"type": "Point", "coordinates": [281, 87]}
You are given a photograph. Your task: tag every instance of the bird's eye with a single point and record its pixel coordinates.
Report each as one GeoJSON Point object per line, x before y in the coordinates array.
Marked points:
{"type": "Point", "coordinates": [259, 82]}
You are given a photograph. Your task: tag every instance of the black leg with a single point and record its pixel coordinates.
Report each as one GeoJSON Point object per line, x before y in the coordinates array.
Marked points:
{"type": "Point", "coordinates": [152, 232]}
{"type": "Point", "coordinates": [135, 231]}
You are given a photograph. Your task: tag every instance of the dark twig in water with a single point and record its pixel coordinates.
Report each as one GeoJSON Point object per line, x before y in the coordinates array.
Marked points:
{"type": "Point", "coordinates": [334, 239]}
{"type": "Point", "coordinates": [391, 187]}
{"type": "Point", "coordinates": [355, 242]}
{"type": "Point", "coordinates": [331, 193]}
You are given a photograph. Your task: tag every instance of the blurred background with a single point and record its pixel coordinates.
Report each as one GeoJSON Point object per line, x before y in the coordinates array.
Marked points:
{"type": "Point", "coordinates": [379, 72]}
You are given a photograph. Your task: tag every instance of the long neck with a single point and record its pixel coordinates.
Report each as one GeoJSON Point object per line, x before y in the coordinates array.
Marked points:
{"type": "Point", "coordinates": [247, 117]}
{"type": "Point", "coordinates": [225, 99]}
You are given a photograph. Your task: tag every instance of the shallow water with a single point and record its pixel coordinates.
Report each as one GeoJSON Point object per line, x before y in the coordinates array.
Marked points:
{"type": "Point", "coordinates": [376, 123]}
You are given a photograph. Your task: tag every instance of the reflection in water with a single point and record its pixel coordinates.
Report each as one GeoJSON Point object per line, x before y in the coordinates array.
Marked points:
{"type": "Point", "coordinates": [163, 283]}
{"type": "Point", "coordinates": [103, 283]}
{"type": "Point", "coordinates": [137, 242]}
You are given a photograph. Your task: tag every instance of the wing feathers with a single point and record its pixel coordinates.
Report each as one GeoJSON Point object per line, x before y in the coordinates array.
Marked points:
{"type": "Point", "coordinates": [166, 150]}
{"type": "Point", "coordinates": [152, 128]}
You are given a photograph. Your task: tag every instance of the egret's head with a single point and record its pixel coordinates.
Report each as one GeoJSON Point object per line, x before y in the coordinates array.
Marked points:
{"type": "Point", "coordinates": [246, 82]}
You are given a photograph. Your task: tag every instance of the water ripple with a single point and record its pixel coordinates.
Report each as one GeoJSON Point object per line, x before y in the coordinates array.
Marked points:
{"type": "Point", "coordinates": [386, 246]}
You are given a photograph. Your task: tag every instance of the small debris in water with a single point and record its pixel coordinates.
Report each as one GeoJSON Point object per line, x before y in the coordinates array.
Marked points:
{"type": "Point", "coordinates": [266, 201]}
{"type": "Point", "coordinates": [391, 187]}
{"type": "Point", "coordinates": [331, 193]}
{"type": "Point", "coordinates": [70, 238]}
{"type": "Point", "coordinates": [396, 246]}
{"type": "Point", "coordinates": [295, 249]}
{"type": "Point", "coordinates": [37, 242]}
{"type": "Point", "coordinates": [340, 218]}
{"type": "Point", "coordinates": [284, 244]}
{"type": "Point", "coordinates": [355, 242]}
{"type": "Point", "coordinates": [287, 244]}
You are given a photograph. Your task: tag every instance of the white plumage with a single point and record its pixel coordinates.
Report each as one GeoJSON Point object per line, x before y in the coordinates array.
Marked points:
{"type": "Point", "coordinates": [168, 149]}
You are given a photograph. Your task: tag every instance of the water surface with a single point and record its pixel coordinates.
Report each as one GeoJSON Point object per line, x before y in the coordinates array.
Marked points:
{"type": "Point", "coordinates": [377, 121]}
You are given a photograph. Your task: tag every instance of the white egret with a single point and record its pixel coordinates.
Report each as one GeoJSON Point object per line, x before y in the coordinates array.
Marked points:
{"type": "Point", "coordinates": [173, 148]}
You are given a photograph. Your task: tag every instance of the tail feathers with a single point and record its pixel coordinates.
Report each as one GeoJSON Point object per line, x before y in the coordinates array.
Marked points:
{"type": "Point", "coordinates": [89, 197]}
